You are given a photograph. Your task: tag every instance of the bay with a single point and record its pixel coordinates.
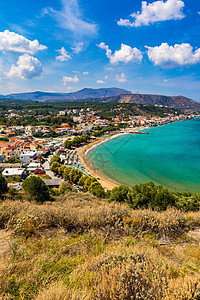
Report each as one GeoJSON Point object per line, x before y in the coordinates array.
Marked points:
{"type": "Point", "coordinates": [169, 155]}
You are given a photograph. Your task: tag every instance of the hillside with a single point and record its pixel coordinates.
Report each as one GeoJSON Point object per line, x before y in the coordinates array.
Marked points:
{"type": "Point", "coordinates": [81, 248]}
{"type": "Point", "coordinates": [177, 102]}
{"type": "Point", "coordinates": [82, 94]}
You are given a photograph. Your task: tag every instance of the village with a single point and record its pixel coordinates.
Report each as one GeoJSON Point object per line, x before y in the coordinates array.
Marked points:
{"type": "Point", "coordinates": [28, 149]}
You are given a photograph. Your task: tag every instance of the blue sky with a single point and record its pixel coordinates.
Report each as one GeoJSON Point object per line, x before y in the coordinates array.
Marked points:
{"type": "Point", "coordinates": [66, 45]}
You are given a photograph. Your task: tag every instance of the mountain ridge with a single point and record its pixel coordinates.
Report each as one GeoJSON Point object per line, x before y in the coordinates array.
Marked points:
{"type": "Point", "coordinates": [115, 95]}
{"type": "Point", "coordinates": [177, 102]}
{"type": "Point", "coordinates": [79, 95]}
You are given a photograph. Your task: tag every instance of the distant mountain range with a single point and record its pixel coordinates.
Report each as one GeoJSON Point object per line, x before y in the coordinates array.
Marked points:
{"type": "Point", "coordinates": [80, 95]}
{"type": "Point", "coordinates": [110, 95]}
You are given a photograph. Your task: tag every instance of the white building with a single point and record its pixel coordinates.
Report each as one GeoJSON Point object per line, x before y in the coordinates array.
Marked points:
{"type": "Point", "coordinates": [33, 166]}
{"type": "Point", "coordinates": [62, 112]}
{"type": "Point", "coordinates": [28, 157]}
{"type": "Point", "coordinates": [9, 172]}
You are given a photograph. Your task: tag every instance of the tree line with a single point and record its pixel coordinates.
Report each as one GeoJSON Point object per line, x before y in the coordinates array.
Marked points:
{"type": "Point", "coordinates": [140, 196]}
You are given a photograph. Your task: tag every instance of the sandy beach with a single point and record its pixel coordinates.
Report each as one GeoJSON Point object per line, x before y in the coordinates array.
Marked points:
{"type": "Point", "coordinates": [107, 183]}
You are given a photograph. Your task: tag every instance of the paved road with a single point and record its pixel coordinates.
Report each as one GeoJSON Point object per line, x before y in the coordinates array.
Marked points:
{"type": "Point", "coordinates": [48, 171]}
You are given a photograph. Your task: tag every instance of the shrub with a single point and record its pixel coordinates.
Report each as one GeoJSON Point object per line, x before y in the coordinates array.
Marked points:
{"type": "Point", "coordinates": [188, 202]}
{"type": "Point", "coordinates": [150, 196]}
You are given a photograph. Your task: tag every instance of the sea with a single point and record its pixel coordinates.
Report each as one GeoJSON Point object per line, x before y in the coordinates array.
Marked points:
{"type": "Point", "coordinates": [169, 155]}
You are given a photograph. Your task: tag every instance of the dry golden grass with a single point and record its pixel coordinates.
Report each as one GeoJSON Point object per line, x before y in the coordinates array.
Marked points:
{"type": "Point", "coordinates": [82, 212]}
{"type": "Point", "coordinates": [137, 271]}
{"type": "Point", "coordinates": [58, 291]}
{"type": "Point", "coordinates": [81, 248]}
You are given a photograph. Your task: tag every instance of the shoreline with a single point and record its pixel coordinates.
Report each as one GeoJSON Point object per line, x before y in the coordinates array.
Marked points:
{"type": "Point", "coordinates": [106, 182]}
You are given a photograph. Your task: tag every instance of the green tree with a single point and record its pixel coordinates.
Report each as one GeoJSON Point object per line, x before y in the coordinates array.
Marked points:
{"type": "Point", "coordinates": [119, 194]}
{"type": "Point", "coordinates": [65, 187]}
{"type": "Point", "coordinates": [40, 158]}
{"type": "Point", "coordinates": [68, 144]}
{"type": "Point", "coordinates": [82, 180]}
{"type": "Point", "coordinates": [88, 182]}
{"type": "Point", "coordinates": [36, 188]}
{"type": "Point", "coordinates": [55, 167]}
{"type": "Point", "coordinates": [62, 171]}
{"type": "Point", "coordinates": [75, 175]}
{"type": "Point", "coordinates": [97, 190]}
{"type": "Point", "coordinates": [55, 158]}
{"type": "Point", "coordinates": [3, 186]}
{"type": "Point", "coordinates": [149, 195]}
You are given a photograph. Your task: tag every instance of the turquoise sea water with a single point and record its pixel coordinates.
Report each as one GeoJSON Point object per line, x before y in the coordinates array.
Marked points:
{"type": "Point", "coordinates": [169, 155]}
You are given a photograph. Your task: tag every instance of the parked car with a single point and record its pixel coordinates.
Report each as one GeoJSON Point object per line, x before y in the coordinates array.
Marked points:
{"type": "Point", "coordinates": [69, 182]}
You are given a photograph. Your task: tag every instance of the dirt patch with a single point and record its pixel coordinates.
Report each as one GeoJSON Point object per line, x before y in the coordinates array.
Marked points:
{"type": "Point", "coordinates": [5, 239]}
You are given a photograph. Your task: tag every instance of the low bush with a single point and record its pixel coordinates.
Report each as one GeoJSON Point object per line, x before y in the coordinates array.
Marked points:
{"type": "Point", "coordinates": [82, 212]}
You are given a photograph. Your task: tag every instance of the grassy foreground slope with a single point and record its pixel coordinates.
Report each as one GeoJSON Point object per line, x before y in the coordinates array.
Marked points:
{"type": "Point", "coordinates": [79, 247]}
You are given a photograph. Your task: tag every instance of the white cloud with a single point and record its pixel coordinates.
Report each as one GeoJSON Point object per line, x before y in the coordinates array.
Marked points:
{"type": "Point", "coordinates": [198, 12]}
{"type": "Point", "coordinates": [27, 68]}
{"type": "Point", "coordinates": [100, 82]}
{"type": "Point", "coordinates": [173, 56]}
{"type": "Point", "coordinates": [105, 47]}
{"type": "Point", "coordinates": [106, 77]}
{"type": "Point", "coordinates": [14, 42]}
{"type": "Point", "coordinates": [85, 73]}
{"type": "Point", "coordinates": [78, 47]}
{"type": "Point", "coordinates": [70, 18]}
{"type": "Point", "coordinates": [121, 78]}
{"type": "Point", "coordinates": [67, 79]}
{"type": "Point", "coordinates": [155, 12]}
{"type": "Point", "coordinates": [64, 56]}
{"type": "Point", "coordinates": [125, 55]}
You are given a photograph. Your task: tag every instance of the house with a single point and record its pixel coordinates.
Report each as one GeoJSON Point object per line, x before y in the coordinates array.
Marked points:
{"type": "Point", "coordinates": [12, 139]}
{"type": "Point", "coordinates": [10, 166]}
{"type": "Point", "coordinates": [11, 133]}
{"type": "Point", "coordinates": [11, 152]}
{"type": "Point", "coordinates": [24, 146]}
{"type": "Point", "coordinates": [29, 130]}
{"type": "Point", "coordinates": [9, 172]}
{"type": "Point", "coordinates": [3, 146]}
{"type": "Point", "coordinates": [30, 147]}
{"type": "Point", "coordinates": [62, 113]}
{"type": "Point", "coordinates": [27, 157]}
